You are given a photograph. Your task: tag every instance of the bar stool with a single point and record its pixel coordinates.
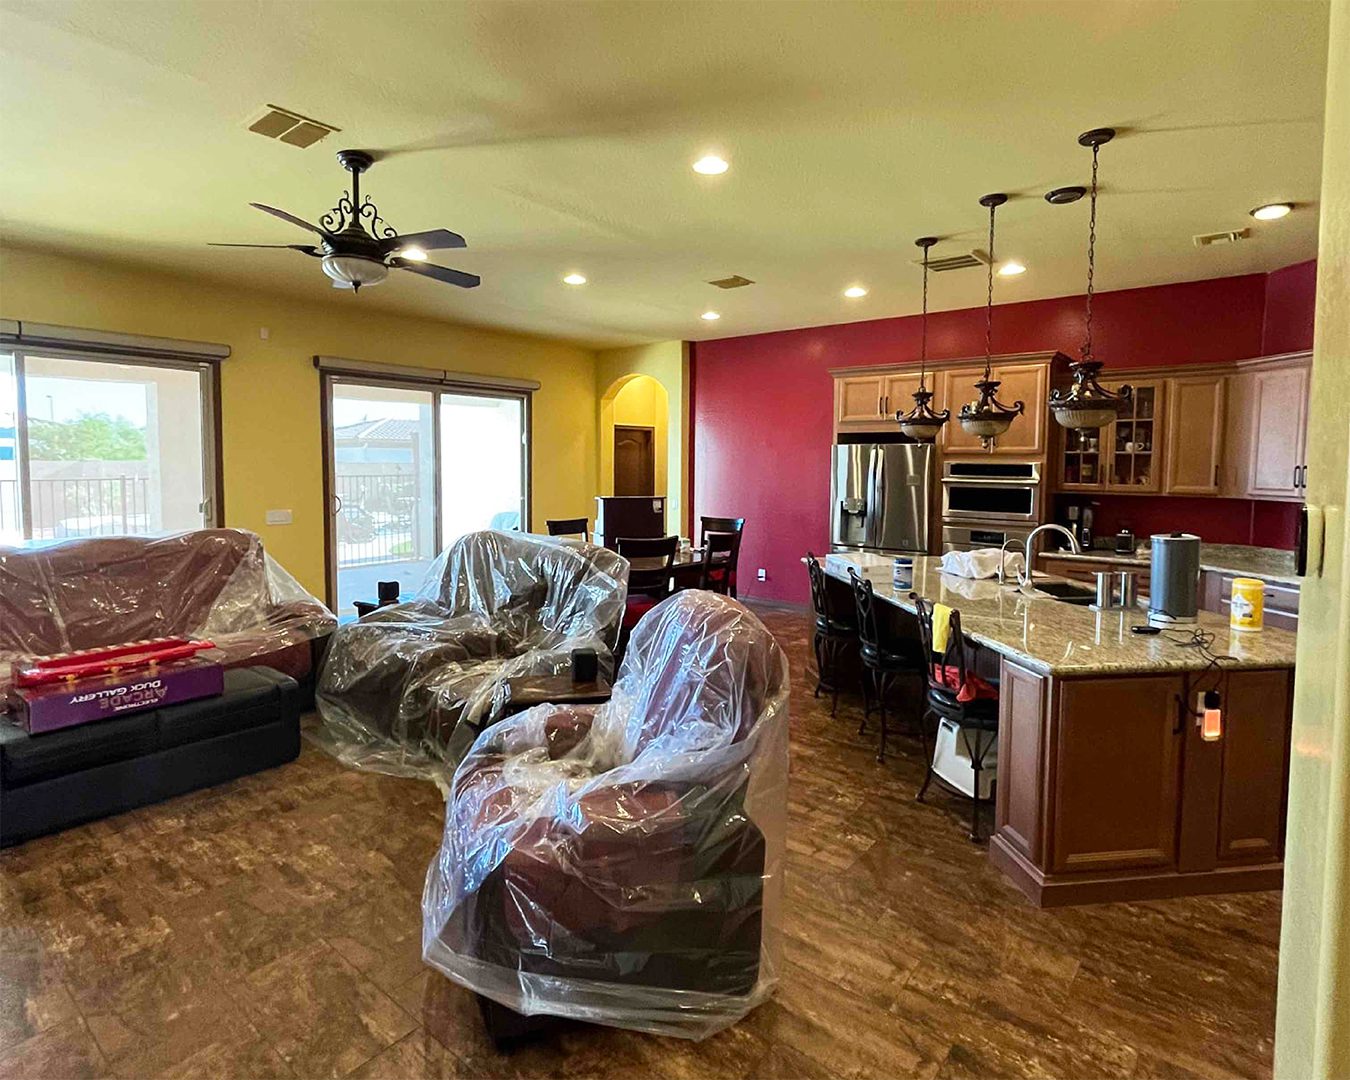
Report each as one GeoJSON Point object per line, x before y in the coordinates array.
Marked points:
{"type": "Point", "coordinates": [882, 659]}
{"type": "Point", "coordinates": [960, 697]}
{"type": "Point", "coordinates": [835, 632]}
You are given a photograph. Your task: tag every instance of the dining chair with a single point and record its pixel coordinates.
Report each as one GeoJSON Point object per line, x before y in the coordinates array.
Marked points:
{"type": "Point", "coordinates": [650, 570]}
{"type": "Point", "coordinates": [570, 527]}
{"type": "Point", "coordinates": [835, 631]}
{"type": "Point", "coordinates": [725, 525]}
{"type": "Point", "coordinates": [718, 548]}
{"type": "Point", "coordinates": [884, 658]}
{"type": "Point", "coordinates": [959, 697]}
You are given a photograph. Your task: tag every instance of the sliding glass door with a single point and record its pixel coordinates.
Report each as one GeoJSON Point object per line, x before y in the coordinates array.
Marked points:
{"type": "Point", "coordinates": [93, 447]}
{"type": "Point", "coordinates": [411, 468]}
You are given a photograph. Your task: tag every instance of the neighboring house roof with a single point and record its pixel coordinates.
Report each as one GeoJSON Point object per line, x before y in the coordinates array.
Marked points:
{"type": "Point", "coordinates": [377, 431]}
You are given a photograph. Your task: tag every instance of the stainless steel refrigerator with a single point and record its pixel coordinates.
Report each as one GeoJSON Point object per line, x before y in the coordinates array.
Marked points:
{"type": "Point", "coordinates": [881, 494]}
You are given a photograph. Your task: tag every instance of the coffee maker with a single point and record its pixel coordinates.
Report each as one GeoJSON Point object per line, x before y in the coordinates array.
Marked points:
{"type": "Point", "coordinates": [1076, 515]}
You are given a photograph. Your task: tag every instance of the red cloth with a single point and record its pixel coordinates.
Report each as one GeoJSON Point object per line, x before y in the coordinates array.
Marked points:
{"type": "Point", "coordinates": [974, 689]}
{"type": "Point", "coordinates": [635, 607]}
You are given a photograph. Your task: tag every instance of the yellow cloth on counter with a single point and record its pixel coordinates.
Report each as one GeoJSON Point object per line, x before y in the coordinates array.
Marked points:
{"type": "Point", "coordinates": [942, 627]}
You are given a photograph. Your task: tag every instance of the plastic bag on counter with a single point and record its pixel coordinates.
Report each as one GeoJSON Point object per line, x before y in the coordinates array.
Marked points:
{"type": "Point", "coordinates": [217, 584]}
{"type": "Point", "coordinates": [622, 864]}
{"type": "Point", "coordinates": [406, 689]}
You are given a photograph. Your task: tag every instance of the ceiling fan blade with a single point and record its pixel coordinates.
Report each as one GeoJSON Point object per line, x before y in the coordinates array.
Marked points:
{"type": "Point", "coordinates": [440, 273]}
{"type": "Point", "coordinates": [308, 249]}
{"type": "Point", "coordinates": [287, 217]}
{"type": "Point", "coordinates": [430, 240]}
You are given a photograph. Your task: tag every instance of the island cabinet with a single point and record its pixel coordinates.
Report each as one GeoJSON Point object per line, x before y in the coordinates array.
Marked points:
{"type": "Point", "coordinates": [1108, 791]}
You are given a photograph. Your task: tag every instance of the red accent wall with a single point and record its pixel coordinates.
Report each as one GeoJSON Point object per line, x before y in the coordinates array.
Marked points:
{"type": "Point", "coordinates": [761, 404]}
{"type": "Point", "coordinates": [1291, 296]}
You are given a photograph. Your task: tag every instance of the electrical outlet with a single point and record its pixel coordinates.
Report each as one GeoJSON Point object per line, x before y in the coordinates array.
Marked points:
{"type": "Point", "coordinates": [279, 517]}
{"type": "Point", "coordinates": [763, 574]}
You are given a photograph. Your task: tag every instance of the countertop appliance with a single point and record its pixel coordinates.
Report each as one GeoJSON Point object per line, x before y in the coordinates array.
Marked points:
{"type": "Point", "coordinates": [985, 503]}
{"type": "Point", "coordinates": [1174, 579]}
{"type": "Point", "coordinates": [881, 493]}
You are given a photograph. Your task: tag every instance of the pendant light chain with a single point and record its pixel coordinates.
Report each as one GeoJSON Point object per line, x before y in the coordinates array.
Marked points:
{"type": "Point", "coordinates": [989, 300]}
{"type": "Point", "coordinates": [923, 338]}
{"type": "Point", "coordinates": [1092, 256]}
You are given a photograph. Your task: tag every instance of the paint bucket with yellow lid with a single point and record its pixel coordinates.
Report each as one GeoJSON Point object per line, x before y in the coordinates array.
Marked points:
{"type": "Point", "coordinates": [1247, 612]}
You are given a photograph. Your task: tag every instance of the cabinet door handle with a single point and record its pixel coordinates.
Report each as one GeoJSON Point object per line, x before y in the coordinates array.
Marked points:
{"type": "Point", "coordinates": [1216, 476]}
{"type": "Point", "coordinates": [1303, 477]}
{"type": "Point", "coordinates": [1296, 477]}
{"type": "Point", "coordinates": [882, 412]}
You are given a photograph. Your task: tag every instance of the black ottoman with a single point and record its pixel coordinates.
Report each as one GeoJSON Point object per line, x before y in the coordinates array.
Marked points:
{"type": "Point", "coordinates": [52, 781]}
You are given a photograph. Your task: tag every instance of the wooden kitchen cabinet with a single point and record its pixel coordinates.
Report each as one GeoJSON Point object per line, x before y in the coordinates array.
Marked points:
{"type": "Point", "coordinates": [859, 400]}
{"type": "Point", "coordinates": [1278, 433]}
{"type": "Point", "coordinates": [1235, 467]}
{"type": "Point", "coordinates": [1195, 431]}
{"type": "Point", "coordinates": [1117, 774]}
{"type": "Point", "coordinates": [1025, 382]}
{"type": "Point", "coordinates": [1280, 603]}
{"type": "Point", "coordinates": [1255, 751]}
{"type": "Point", "coordinates": [1123, 456]}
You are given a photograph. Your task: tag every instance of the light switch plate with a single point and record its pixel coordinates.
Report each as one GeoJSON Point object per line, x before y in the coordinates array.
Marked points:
{"type": "Point", "coordinates": [279, 517]}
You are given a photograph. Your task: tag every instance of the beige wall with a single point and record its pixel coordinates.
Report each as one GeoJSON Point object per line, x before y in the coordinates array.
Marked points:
{"type": "Point", "coordinates": [640, 402]}
{"type": "Point", "coordinates": [668, 363]}
{"type": "Point", "coordinates": [270, 389]}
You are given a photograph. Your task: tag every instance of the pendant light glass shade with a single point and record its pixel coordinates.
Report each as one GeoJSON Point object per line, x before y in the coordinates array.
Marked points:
{"type": "Point", "coordinates": [988, 417]}
{"type": "Point", "coordinates": [921, 423]}
{"type": "Point", "coordinates": [1086, 404]}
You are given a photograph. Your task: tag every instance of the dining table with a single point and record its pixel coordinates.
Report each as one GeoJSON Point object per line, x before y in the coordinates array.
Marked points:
{"type": "Point", "coordinates": [686, 571]}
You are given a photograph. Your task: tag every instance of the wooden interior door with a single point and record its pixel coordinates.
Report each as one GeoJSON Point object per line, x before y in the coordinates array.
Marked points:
{"type": "Point", "coordinates": [634, 460]}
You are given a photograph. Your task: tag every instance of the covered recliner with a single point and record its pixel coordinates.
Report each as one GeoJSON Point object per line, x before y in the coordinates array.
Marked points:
{"type": "Point", "coordinates": [622, 864]}
{"type": "Point", "coordinates": [407, 688]}
{"type": "Point", "coordinates": [209, 583]}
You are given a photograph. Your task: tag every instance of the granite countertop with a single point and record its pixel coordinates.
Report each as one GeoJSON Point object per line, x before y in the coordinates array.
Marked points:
{"type": "Point", "coordinates": [1270, 564]}
{"type": "Point", "coordinates": [1046, 635]}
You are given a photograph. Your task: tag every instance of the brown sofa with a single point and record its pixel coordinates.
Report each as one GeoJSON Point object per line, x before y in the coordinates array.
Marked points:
{"type": "Point", "coordinates": [211, 583]}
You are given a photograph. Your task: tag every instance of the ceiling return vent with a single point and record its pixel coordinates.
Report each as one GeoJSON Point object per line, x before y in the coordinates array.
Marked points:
{"type": "Point", "coordinates": [1230, 237]}
{"type": "Point", "coordinates": [291, 127]}
{"type": "Point", "coordinates": [733, 282]}
{"type": "Point", "coordinates": [955, 262]}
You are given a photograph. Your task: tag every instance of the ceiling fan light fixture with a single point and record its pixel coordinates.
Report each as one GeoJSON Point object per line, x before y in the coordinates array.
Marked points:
{"type": "Point", "coordinates": [354, 270]}
{"type": "Point", "coordinates": [416, 254]}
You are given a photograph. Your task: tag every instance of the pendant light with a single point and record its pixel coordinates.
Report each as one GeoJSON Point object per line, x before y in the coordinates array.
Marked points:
{"type": "Point", "coordinates": [921, 423]}
{"type": "Point", "coordinates": [1087, 404]}
{"type": "Point", "coordinates": [988, 418]}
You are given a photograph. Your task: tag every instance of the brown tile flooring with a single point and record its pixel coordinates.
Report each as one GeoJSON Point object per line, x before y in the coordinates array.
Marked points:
{"type": "Point", "coordinates": [270, 927]}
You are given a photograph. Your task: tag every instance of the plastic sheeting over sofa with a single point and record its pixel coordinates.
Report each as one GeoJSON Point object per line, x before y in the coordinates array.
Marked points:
{"type": "Point", "coordinates": [217, 584]}
{"type": "Point", "coordinates": [622, 864]}
{"type": "Point", "coordinates": [407, 688]}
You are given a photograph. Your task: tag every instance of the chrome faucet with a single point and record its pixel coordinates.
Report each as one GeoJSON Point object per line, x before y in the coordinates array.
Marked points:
{"type": "Point", "coordinates": [1025, 575]}
{"type": "Point", "coordinates": [1003, 558]}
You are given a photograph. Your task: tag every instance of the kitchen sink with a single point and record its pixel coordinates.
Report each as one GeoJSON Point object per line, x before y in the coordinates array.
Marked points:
{"type": "Point", "coordinates": [1066, 592]}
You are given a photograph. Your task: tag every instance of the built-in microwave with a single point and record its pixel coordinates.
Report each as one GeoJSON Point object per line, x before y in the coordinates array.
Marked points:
{"type": "Point", "coordinates": [991, 491]}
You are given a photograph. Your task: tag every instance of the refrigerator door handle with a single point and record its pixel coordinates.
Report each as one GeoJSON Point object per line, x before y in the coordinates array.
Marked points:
{"type": "Point", "coordinates": [876, 511]}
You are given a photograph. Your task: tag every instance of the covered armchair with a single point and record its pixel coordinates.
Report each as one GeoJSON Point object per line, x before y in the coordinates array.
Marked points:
{"type": "Point", "coordinates": [407, 688]}
{"type": "Point", "coordinates": [209, 583]}
{"type": "Point", "coordinates": [621, 864]}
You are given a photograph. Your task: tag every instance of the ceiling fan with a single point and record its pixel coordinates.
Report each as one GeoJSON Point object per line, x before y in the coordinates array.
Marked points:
{"type": "Point", "coordinates": [358, 247]}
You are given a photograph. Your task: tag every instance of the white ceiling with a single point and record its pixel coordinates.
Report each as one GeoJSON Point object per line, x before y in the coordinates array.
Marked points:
{"type": "Point", "coordinates": [558, 137]}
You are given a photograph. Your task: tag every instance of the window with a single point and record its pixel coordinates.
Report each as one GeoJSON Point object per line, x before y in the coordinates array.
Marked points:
{"type": "Point", "coordinates": [412, 466]}
{"type": "Point", "coordinates": [97, 446]}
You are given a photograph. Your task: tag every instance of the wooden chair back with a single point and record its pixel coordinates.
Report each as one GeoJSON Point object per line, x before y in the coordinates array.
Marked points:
{"type": "Point", "coordinates": [655, 580]}
{"type": "Point", "coordinates": [570, 527]}
{"type": "Point", "coordinates": [718, 550]}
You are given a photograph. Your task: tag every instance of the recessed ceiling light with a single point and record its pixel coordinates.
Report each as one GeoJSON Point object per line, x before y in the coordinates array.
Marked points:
{"type": "Point", "coordinates": [710, 316]}
{"type": "Point", "coordinates": [855, 291]}
{"type": "Point", "coordinates": [1272, 211]}
{"type": "Point", "coordinates": [574, 279]}
{"type": "Point", "coordinates": [1011, 268]}
{"type": "Point", "coordinates": [416, 254]}
{"type": "Point", "coordinates": [711, 165]}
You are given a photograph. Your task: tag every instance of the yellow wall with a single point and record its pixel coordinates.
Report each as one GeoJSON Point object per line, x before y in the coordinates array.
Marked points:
{"type": "Point", "coordinates": [270, 390]}
{"type": "Point", "coordinates": [668, 363]}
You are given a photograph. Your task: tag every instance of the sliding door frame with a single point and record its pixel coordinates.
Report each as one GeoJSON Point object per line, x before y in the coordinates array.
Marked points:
{"type": "Point", "coordinates": [436, 387]}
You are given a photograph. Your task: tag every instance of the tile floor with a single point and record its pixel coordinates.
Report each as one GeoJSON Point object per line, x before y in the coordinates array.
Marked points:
{"type": "Point", "coordinates": [270, 928]}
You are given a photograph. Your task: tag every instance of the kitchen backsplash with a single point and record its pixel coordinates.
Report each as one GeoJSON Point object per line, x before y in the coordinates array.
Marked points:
{"type": "Point", "coordinates": [1217, 521]}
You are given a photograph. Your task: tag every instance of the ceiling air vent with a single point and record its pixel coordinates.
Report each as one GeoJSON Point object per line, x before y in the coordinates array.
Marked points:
{"type": "Point", "coordinates": [733, 282]}
{"type": "Point", "coordinates": [291, 127]}
{"type": "Point", "coordinates": [1230, 237]}
{"type": "Point", "coordinates": [953, 262]}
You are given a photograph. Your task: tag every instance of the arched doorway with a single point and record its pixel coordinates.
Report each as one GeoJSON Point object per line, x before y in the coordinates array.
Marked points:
{"type": "Point", "coordinates": [634, 437]}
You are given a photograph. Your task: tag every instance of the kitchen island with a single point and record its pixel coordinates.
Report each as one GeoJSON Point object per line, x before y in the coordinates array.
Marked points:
{"type": "Point", "coordinates": [1106, 788]}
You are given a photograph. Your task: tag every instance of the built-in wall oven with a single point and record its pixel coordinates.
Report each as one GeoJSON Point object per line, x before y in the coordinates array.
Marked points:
{"type": "Point", "coordinates": [985, 503]}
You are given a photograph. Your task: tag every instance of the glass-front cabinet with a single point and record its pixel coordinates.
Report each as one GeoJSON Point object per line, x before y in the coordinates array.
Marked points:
{"type": "Point", "coordinates": [1123, 456]}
